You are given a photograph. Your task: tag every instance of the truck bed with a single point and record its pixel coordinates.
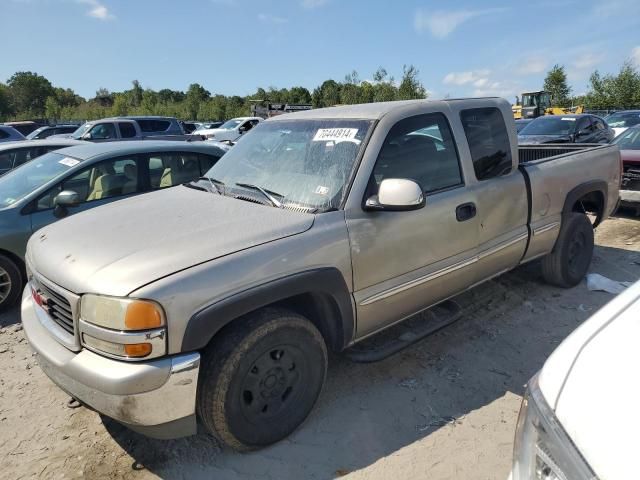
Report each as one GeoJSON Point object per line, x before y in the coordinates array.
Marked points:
{"type": "Point", "coordinates": [537, 153]}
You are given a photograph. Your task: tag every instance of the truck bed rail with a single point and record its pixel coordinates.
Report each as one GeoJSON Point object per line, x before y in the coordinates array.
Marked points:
{"type": "Point", "coordinates": [533, 153]}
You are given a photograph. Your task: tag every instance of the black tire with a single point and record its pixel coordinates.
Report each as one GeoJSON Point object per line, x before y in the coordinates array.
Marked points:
{"type": "Point", "coordinates": [10, 283]}
{"type": "Point", "coordinates": [261, 378]}
{"type": "Point", "coordinates": [570, 258]}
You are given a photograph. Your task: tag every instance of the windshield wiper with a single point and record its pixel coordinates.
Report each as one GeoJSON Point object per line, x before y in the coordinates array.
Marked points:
{"type": "Point", "coordinates": [274, 201]}
{"type": "Point", "coordinates": [216, 184]}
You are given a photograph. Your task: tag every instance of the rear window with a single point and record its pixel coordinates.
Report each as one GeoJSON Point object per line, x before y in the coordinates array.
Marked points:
{"type": "Point", "coordinates": [488, 142]}
{"type": "Point", "coordinates": [154, 125]}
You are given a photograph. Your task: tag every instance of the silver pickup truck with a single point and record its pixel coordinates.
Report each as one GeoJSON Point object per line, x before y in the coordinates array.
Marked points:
{"type": "Point", "coordinates": [218, 300]}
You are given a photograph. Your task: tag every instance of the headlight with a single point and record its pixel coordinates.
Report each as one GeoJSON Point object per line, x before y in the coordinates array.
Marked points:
{"type": "Point", "coordinates": [542, 450]}
{"type": "Point", "coordinates": [123, 328]}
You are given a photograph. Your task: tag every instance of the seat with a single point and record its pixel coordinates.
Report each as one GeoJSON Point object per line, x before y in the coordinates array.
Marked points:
{"type": "Point", "coordinates": [131, 179]}
{"type": "Point", "coordinates": [106, 186]}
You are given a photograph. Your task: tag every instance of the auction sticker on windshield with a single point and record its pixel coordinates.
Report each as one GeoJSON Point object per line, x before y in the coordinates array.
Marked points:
{"type": "Point", "coordinates": [568, 119]}
{"type": "Point", "coordinates": [69, 162]}
{"type": "Point", "coordinates": [335, 134]}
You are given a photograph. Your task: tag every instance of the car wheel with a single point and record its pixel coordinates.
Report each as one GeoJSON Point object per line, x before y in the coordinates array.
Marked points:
{"type": "Point", "coordinates": [261, 378]}
{"type": "Point", "coordinates": [570, 258]}
{"type": "Point", "coordinates": [10, 283]}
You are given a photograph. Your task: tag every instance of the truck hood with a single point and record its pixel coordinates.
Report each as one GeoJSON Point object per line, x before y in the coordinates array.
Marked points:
{"type": "Point", "coordinates": [538, 139]}
{"type": "Point", "coordinates": [590, 381]}
{"type": "Point", "coordinates": [119, 247]}
{"type": "Point", "coordinates": [630, 157]}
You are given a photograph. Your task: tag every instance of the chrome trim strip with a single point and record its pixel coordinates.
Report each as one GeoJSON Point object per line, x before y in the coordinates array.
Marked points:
{"type": "Point", "coordinates": [156, 337]}
{"type": "Point", "coordinates": [545, 228]}
{"type": "Point", "coordinates": [443, 271]}
{"type": "Point", "coordinates": [419, 281]}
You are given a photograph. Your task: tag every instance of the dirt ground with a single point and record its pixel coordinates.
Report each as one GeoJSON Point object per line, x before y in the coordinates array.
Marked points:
{"type": "Point", "coordinates": [444, 408]}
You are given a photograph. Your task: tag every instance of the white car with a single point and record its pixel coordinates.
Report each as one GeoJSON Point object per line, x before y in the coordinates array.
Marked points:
{"type": "Point", "coordinates": [620, 121]}
{"type": "Point", "coordinates": [231, 130]}
{"type": "Point", "coordinates": [579, 418]}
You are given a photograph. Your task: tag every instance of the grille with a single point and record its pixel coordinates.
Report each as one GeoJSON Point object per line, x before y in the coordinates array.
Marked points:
{"type": "Point", "coordinates": [58, 307]}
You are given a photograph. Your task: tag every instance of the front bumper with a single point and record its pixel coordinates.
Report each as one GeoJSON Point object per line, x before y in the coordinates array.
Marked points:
{"type": "Point", "coordinates": [156, 398]}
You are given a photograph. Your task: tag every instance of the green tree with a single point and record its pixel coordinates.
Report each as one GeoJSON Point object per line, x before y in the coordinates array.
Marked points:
{"type": "Point", "coordinates": [120, 105]}
{"type": "Point", "coordinates": [135, 94]}
{"type": "Point", "coordinates": [410, 87]}
{"type": "Point", "coordinates": [614, 91]}
{"type": "Point", "coordinates": [5, 102]}
{"type": "Point", "coordinates": [28, 93]}
{"type": "Point", "coordinates": [53, 109]}
{"type": "Point", "coordinates": [196, 94]}
{"type": "Point", "coordinates": [556, 84]}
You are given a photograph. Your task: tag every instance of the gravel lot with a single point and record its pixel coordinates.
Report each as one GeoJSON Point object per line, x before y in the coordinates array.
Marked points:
{"type": "Point", "coordinates": [444, 408]}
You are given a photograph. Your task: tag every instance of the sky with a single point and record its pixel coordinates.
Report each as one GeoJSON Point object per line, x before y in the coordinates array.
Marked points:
{"type": "Point", "coordinates": [461, 48]}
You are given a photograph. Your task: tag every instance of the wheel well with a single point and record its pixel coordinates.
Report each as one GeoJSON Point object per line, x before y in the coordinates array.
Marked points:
{"type": "Point", "coordinates": [17, 260]}
{"type": "Point", "coordinates": [592, 202]}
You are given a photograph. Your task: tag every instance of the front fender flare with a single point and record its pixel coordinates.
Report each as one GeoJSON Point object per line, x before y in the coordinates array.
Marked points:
{"type": "Point", "coordinates": [326, 283]}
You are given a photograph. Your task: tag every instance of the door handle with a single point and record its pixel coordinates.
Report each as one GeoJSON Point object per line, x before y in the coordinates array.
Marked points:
{"type": "Point", "coordinates": [466, 211]}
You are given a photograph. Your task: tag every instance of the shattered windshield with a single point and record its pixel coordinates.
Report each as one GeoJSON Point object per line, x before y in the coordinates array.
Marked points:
{"type": "Point", "coordinates": [307, 162]}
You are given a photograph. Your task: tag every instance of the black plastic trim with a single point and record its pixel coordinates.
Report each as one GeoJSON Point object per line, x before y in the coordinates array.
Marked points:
{"type": "Point", "coordinates": [583, 189]}
{"type": "Point", "coordinates": [330, 299]}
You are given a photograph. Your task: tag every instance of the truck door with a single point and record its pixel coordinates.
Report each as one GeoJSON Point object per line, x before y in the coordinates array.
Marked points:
{"type": "Point", "coordinates": [500, 191]}
{"type": "Point", "coordinates": [406, 261]}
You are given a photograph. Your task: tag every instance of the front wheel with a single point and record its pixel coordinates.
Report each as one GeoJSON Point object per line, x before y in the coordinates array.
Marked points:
{"type": "Point", "coordinates": [10, 283]}
{"type": "Point", "coordinates": [261, 378]}
{"type": "Point", "coordinates": [568, 262]}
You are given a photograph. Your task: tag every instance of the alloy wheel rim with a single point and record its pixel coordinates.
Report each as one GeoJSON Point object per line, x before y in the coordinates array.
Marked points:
{"type": "Point", "coordinates": [5, 284]}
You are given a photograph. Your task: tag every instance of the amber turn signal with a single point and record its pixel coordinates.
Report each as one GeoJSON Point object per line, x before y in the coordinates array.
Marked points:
{"type": "Point", "coordinates": [142, 315]}
{"type": "Point", "coordinates": [137, 349]}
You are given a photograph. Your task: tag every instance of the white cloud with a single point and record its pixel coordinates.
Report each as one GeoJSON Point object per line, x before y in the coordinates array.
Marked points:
{"type": "Point", "coordinates": [273, 19]}
{"type": "Point", "coordinates": [441, 23]}
{"type": "Point", "coordinates": [587, 60]}
{"type": "Point", "coordinates": [532, 64]}
{"type": "Point", "coordinates": [635, 55]}
{"type": "Point", "coordinates": [97, 10]}
{"type": "Point", "coordinates": [313, 3]}
{"type": "Point", "coordinates": [477, 77]}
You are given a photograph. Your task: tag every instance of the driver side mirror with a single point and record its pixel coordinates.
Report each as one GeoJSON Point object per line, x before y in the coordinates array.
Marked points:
{"type": "Point", "coordinates": [242, 129]}
{"type": "Point", "coordinates": [397, 194]}
{"type": "Point", "coordinates": [87, 136]}
{"type": "Point", "coordinates": [64, 200]}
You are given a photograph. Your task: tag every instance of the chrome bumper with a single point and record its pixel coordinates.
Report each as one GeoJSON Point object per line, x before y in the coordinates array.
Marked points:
{"type": "Point", "coordinates": [157, 397]}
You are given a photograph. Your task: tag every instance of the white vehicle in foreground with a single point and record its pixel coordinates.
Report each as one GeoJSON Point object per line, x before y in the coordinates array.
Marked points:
{"type": "Point", "coordinates": [579, 418]}
{"type": "Point", "coordinates": [231, 130]}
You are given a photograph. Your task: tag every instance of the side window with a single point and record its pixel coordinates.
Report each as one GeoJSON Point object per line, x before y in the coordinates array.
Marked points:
{"type": "Point", "coordinates": [173, 168]}
{"type": "Point", "coordinates": [598, 123]}
{"type": "Point", "coordinates": [206, 162]}
{"type": "Point", "coordinates": [3, 134]}
{"type": "Point", "coordinates": [103, 131]}
{"type": "Point", "coordinates": [153, 125]}
{"type": "Point", "coordinates": [6, 161]}
{"type": "Point", "coordinates": [422, 149]}
{"type": "Point", "coordinates": [107, 179]}
{"type": "Point", "coordinates": [488, 142]}
{"type": "Point", "coordinates": [127, 130]}
{"type": "Point", "coordinates": [584, 124]}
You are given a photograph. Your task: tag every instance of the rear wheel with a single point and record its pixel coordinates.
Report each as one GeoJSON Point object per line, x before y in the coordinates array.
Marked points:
{"type": "Point", "coordinates": [569, 261]}
{"type": "Point", "coordinates": [10, 283]}
{"type": "Point", "coordinates": [261, 378]}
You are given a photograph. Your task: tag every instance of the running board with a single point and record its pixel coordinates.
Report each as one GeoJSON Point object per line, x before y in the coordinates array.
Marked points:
{"type": "Point", "coordinates": [406, 333]}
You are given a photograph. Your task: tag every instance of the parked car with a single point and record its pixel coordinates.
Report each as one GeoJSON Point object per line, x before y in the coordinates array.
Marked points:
{"type": "Point", "coordinates": [580, 415]}
{"type": "Point", "coordinates": [581, 128]}
{"type": "Point", "coordinates": [522, 122]}
{"type": "Point", "coordinates": [129, 128]}
{"type": "Point", "coordinates": [80, 178]}
{"type": "Point", "coordinates": [190, 127]}
{"type": "Point", "coordinates": [24, 127]}
{"type": "Point", "coordinates": [207, 125]}
{"type": "Point", "coordinates": [9, 134]}
{"type": "Point", "coordinates": [314, 219]}
{"type": "Point", "coordinates": [14, 154]}
{"type": "Point", "coordinates": [629, 144]}
{"type": "Point", "coordinates": [48, 130]}
{"type": "Point", "coordinates": [231, 130]}
{"type": "Point", "coordinates": [620, 121]}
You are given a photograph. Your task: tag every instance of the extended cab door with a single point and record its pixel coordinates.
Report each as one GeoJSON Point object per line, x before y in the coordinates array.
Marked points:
{"type": "Point", "coordinates": [498, 187]}
{"type": "Point", "coordinates": [405, 261]}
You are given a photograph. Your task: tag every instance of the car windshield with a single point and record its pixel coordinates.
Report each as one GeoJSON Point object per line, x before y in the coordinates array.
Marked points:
{"type": "Point", "coordinates": [35, 133]}
{"type": "Point", "coordinates": [550, 125]}
{"type": "Point", "coordinates": [231, 124]}
{"type": "Point", "coordinates": [19, 183]}
{"type": "Point", "coordinates": [81, 131]}
{"type": "Point", "coordinates": [628, 140]}
{"type": "Point", "coordinates": [308, 163]}
{"type": "Point", "coordinates": [618, 120]}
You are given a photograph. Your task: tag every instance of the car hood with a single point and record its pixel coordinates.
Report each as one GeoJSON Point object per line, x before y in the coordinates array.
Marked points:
{"type": "Point", "coordinates": [538, 139]}
{"type": "Point", "coordinates": [631, 157]}
{"type": "Point", "coordinates": [618, 130]}
{"type": "Point", "coordinates": [590, 381]}
{"type": "Point", "coordinates": [117, 248]}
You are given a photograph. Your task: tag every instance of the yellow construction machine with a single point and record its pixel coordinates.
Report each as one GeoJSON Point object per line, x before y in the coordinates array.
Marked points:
{"type": "Point", "coordinates": [536, 104]}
